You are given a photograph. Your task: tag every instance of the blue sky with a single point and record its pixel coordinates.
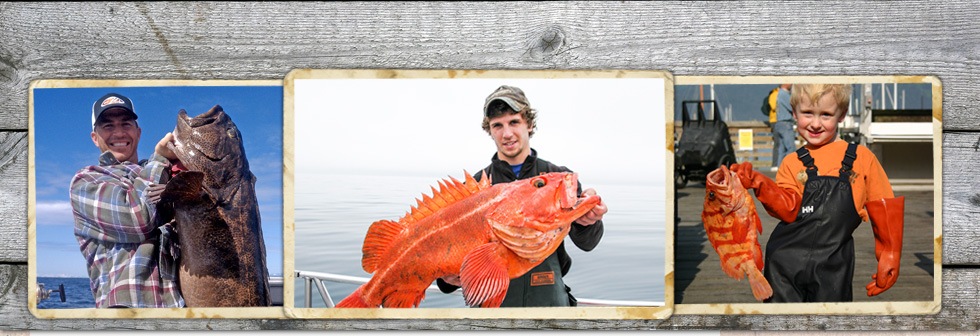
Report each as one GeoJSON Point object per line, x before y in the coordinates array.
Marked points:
{"type": "Point", "coordinates": [63, 145]}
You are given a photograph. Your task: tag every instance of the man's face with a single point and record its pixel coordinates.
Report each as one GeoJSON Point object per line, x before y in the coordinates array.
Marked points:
{"type": "Point", "coordinates": [510, 133]}
{"type": "Point", "coordinates": [817, 122]}
{"type": "Point", "coordinates": [118, 133]}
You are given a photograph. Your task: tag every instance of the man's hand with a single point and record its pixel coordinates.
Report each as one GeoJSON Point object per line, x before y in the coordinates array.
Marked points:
{"type": "Point", "coordinates": [154, 191]}
{"type": "Point", "coordinates": [452, 280]}
{"type": "Point", "coordinates": [163, 150]}
{"type": "Point", "coordinates": [595, 214]}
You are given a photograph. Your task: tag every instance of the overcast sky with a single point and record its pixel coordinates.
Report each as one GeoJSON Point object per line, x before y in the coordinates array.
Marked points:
{"type": "Point", "coordinates": [604, 129]}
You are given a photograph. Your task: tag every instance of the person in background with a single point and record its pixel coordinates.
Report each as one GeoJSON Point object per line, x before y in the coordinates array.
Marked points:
{"type": "Point", "coordinates": [820, 196]}
{"type": "Point", "coordinates": [130, 260]}
{"type": "Point", "coordinates": [509, 119]}
{"type": "Point", "coordinates": [784, 139]}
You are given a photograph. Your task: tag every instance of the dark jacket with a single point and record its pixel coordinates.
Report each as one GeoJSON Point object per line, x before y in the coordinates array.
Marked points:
{"type": "Point", "coordinates": [499, 171]}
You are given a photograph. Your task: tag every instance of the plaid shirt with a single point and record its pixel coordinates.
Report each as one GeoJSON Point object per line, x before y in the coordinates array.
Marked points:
{"type": "Point", "coordinates": [130, 262]}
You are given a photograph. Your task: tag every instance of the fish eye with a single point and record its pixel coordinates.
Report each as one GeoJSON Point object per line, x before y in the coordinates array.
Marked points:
{"type": "Point", "coordinates": [232, 133]}
{"type": "Point", "coordinates": [711, 195]}
{"type": "Point", "coordinates": [538, 183]}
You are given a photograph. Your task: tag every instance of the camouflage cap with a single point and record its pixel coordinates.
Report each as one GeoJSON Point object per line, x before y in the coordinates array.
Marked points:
{"type": "Point", "coordinates": [512, 96]}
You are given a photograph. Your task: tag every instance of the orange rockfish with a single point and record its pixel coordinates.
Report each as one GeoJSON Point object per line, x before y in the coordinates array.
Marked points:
{"type": "Point", "coordinates": [733, 228]}
{"type": "Point", "coordinates": [486, 234]}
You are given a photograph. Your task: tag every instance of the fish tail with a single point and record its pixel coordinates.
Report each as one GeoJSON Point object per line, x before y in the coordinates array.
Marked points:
{"type": "Point", "coordinates": [354, 300]}
{"type": "Point", "coordinates": [760, 286]}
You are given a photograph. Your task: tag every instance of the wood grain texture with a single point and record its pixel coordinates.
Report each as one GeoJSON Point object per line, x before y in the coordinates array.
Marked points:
{"type": "Point", "coordinates": [13, 197]}
{"type": "Point", "coordinates": [189, 40]}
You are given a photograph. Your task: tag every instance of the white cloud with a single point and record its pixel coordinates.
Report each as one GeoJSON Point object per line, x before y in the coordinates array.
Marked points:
{"type": "Point", "coordinates": [54, 213]}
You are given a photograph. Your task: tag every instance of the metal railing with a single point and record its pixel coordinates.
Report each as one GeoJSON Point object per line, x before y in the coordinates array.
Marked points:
{"type": "Point", "coordinates": [312, 279]}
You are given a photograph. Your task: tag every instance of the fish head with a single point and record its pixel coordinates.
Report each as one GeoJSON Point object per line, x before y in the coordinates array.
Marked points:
{"type": "Point", "coordinates": [212, 144]}
{"type": "Point", "coordinates": [723, 190]}
{"type": "Point", "coordinates": [537, 213]}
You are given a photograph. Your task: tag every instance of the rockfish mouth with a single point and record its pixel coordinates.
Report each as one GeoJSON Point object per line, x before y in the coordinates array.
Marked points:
{"type": "Point", "coordinates": [720, 184]}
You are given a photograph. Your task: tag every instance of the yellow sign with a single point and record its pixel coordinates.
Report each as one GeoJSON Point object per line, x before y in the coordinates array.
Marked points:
{"type": "Point", "coordinates": [745, 139]}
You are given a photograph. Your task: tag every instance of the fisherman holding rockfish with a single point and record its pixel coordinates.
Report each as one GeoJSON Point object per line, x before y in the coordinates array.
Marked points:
{"type": "Point", "coordinates": [821, 194]}
{"type": "Point", "coordinates": [509, 119]}
{"type": "Point", "coordinates": [129, 263]}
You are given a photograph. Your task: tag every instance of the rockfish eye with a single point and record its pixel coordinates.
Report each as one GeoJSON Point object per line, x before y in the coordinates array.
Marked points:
{"type": "Point", "coordinates": [232, 132]}
{"type": "Point", "coordinates": [538, 183]}
{"type": "Point", "coordinates": [711, 195]}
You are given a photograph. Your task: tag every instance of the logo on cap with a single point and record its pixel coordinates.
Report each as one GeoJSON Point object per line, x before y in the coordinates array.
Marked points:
{"type": "Point", "coordinates": [112, 100]}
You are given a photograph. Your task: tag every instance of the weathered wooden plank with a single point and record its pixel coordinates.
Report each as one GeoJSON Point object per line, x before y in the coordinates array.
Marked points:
{"type": "Point", "coordinates": [243, 41]}
{"type": "Point", "coordinates": [13, 196]}
{"type": "Point", "coordinates": [960, 308]}
{"type": "Point", "coordinates": [961, 198]}
{"type": "Point", "coordinates": [189, 40]}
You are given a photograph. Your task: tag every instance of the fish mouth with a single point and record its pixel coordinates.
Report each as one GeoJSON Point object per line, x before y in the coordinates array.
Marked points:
{"type": "Point", "coordinates": [720, 177]}
{"type": "Point", "coordinates": [206, 118]}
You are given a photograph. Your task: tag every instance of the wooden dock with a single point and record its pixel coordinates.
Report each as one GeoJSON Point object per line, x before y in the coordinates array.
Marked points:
{"type": "Point", "coordinates": [699, 278]}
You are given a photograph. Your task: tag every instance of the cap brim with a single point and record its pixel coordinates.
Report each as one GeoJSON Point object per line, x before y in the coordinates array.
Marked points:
{"type": "Point", "coordinates": [514, 105]}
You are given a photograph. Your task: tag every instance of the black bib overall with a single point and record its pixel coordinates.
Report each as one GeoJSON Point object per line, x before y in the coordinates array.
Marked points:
{"type": "Point", "coordinates": [812, 259]}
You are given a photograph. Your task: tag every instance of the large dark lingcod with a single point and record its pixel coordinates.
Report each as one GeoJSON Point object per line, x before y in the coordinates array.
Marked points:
{"type": "Point", "coordinates": [222, 252]}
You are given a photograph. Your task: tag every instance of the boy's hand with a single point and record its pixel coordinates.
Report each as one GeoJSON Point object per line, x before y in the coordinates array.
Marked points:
{"type": "Point", "coordinates": [780, 203]}
{"type": "Point", "coordinates": [888, 223]}
{"type": "Point", "coordinates": [746, 175]}
{"type": "Point", "coordinates": [886, 277]}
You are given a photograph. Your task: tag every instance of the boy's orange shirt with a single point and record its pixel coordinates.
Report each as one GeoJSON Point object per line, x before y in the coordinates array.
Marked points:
{"type": "Point", "coordinates": [868, 179]}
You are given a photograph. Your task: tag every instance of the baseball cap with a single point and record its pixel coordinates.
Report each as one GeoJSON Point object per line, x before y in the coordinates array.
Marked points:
{"type": "Point", "coordinates": [512, 96]}
{"type": "Point", "coordinates": [108, 101]}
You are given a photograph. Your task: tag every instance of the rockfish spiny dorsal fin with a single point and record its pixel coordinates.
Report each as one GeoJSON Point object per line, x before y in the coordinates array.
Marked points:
{"type": "Point", "coordinates": [450, 191]}
{"type": "Point", "coordinates": [383, 233]}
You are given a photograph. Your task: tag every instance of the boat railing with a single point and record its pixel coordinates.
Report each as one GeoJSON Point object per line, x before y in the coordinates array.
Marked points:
{"type": "Point", "coordinates": [316, 279]}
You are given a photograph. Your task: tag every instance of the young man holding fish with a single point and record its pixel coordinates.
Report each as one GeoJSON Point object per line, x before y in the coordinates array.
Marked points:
{"type": "Point", "coordinates": [509, 119]}
{"type": "Point", "coordinates": [130, 261]}
{"type": "Point", "coordinates": [821, 194]}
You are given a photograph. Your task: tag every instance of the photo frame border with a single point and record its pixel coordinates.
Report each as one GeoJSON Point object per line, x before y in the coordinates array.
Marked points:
{"type": "Point", "coordinates": [844, 308]}
{"type": "Point", "coordinates": [647, 313]}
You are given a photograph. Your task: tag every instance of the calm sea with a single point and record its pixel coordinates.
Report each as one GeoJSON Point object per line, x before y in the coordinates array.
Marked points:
{"type": "Point", "coordinates": [333, 213]}
{"type": "Point", "coordinates": [77, 293]}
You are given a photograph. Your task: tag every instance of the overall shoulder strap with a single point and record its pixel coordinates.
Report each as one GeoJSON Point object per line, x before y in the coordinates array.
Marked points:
{"type": "Point", "coordinates": [804, 155]}
{"type": "Point", "coordinates": [849, 156]}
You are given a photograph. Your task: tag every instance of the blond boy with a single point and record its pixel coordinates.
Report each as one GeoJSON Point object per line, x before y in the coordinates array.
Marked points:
{"type": "Point", "coordinates": [820, 195]}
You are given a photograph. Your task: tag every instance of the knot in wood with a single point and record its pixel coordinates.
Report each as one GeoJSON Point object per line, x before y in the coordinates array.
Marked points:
{"type": "Point", "coordinates": [550, 41]}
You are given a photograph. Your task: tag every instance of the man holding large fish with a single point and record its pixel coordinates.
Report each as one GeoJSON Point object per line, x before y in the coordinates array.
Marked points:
{"type": "Point", "coordinates": [127, 255]}
{"type": "Point", "coordinates": [509, 119]}
{"type": "Point", "coordinates": [821, 194]}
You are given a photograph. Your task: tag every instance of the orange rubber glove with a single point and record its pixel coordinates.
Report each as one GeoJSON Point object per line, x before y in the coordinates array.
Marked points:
{"type": "Point", "coordinates": [780, 203]}
{"type": "Point", "coordinates": [887, 222]}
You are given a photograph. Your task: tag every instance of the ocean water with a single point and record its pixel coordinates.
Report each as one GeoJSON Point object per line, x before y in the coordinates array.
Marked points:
{"type": "Point", "coordinates": [333, 213]}
{"type": "Point", "coordinates": [77, 293]}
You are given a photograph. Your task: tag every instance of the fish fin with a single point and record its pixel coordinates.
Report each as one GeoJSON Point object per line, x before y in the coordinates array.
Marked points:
{"type": "Point", "coordinates": [186, 185]}
{"type": "Point", "coordinates": [403, 299]}
{"type": "Point", "coordinates": [354, 300]}
{"type": "Point", "coordinates": [757, 255]}
{"type": "Point", "coordinates": [526, 242]}
{"type": "Point", "coordinates": [483, 276]}
{"type": "Point", "coordinates": [378, 240]}
{"type": "Point", "coordinates": [760, 286]}
{"type": "Point", "coordinates": [450, 191]}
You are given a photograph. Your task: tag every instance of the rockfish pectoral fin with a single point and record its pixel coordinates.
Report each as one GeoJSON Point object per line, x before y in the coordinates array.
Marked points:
{"type": "Point", "coordinates": [484, 276]}
{"type": "Point", "coordinates": [184, 186]}
{"type": "Point", "coordinates": [527, 242]}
